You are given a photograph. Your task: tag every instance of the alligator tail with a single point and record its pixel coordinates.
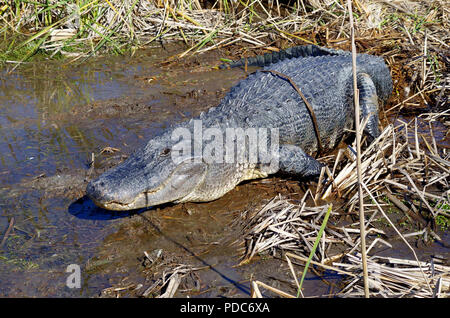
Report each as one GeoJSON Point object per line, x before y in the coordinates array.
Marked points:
{"type": "Point", "coordinates": [274, 57]}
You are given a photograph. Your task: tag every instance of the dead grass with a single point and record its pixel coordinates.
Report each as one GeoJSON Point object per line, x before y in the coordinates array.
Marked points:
{"type": "Point", "coordinates": [393, 164]}
{"type": "Point", "coordinates": [411, 35]}
{"type": "Point", "coordinates": [164, 277]}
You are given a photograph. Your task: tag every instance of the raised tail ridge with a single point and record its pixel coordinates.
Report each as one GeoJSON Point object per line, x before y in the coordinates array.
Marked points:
{"type": "Point", "coordinates": [274, 57]}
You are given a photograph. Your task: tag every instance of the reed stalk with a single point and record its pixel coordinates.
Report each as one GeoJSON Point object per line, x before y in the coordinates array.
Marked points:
{"type": "Point", "coordinates": [358, 155]}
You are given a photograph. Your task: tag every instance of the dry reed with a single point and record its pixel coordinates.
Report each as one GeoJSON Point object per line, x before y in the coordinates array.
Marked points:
{"type": "Point", "coordinates": [393, 164]}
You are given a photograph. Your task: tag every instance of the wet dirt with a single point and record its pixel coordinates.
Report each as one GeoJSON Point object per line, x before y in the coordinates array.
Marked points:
{"type": "Point", "coordinates": [62, 125]}
{"type": "Point", "coordinates": [204, 236]}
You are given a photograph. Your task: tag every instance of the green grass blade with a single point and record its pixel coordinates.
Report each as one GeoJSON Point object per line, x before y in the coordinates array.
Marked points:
{"type": "Point", "coordinates": [313, 251]}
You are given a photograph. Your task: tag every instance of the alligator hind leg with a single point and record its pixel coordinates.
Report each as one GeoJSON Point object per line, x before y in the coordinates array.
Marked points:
{"type": "Point", "coordinates": [294, 161]}
{"type": "Point", "coordinates": [368, 101]}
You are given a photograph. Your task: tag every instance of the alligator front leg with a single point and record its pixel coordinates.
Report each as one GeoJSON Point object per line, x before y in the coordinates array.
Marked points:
{"type": "Point", "coordinates": [294, 161]}
{"type": "Point", "coordinates": [368, 100]}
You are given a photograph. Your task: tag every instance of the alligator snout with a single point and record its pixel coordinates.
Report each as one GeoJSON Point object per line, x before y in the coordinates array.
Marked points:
{"type": "Point", "coordinates": [97, 191]}
{"type": "Point", "coordinates": [109, 196]}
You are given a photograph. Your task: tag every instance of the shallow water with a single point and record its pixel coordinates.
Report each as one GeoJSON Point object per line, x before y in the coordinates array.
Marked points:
{"type": "Point", "coordinates": [38, 138]}
{"type": "Point", "coordinates": [52, 117]}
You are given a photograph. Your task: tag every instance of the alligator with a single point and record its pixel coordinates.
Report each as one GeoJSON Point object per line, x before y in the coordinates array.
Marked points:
{"type": "Point", "coordinates": [176, 167]}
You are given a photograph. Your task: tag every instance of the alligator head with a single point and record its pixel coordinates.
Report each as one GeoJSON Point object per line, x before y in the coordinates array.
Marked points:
{"type": "Point", "coordinates": [150, 176]}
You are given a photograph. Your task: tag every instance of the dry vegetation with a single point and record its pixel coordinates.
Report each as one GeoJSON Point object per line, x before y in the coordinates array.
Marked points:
{"type": "Point", "coordinates": [411, 35]}
{"type": "Point", "coordinates": [293, 227]}
{"type": "Point", "coordinates": [395, 166]}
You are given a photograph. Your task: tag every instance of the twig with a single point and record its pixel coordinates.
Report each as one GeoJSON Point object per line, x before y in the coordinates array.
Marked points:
{"type": "Point", "coordinates": [275, 290]}
{"type": "Point", "coordinates": [398, 232]}
{"type": "Point", "coordinates": [304, 259]}
{"type": "Point", "coordinates": [10, 227]}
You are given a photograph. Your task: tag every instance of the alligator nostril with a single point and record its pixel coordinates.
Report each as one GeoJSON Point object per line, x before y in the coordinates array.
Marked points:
{"type": "Point", "coordinates": [92, 188]}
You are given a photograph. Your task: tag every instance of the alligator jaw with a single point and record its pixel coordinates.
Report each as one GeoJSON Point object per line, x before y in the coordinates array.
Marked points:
{"type": "Point", "coordinates": [114, 206]}
{"type": "Point", "coordinates": [121, 206]}
{"type": "Point", "coordinates": [140, 201]}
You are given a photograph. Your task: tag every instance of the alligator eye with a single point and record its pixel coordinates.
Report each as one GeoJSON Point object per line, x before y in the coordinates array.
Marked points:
{"type": "Point", "coordinates": [165, 152]}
